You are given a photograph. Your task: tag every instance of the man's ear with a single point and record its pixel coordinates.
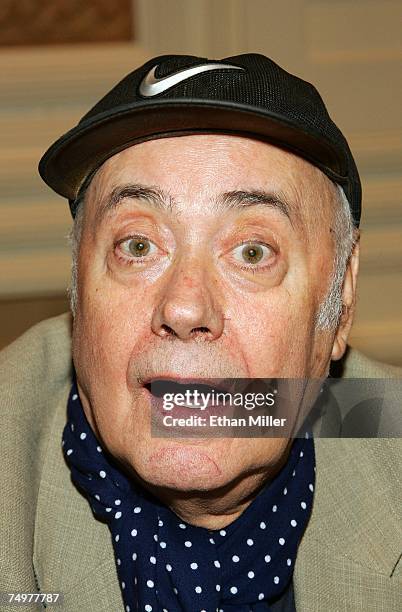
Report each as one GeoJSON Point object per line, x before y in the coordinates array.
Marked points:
{"type": "Point", "coordinates": [348, 304]}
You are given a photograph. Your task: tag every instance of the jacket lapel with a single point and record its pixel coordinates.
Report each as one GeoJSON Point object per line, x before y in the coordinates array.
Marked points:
{"type": "Point", "coordinates": [73, 552]}
{"type": "Point", "coordinates": [348, 557]}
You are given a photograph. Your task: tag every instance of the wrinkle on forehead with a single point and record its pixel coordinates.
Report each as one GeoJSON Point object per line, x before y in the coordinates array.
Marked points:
{"type": "Point", "coordinates": [203, 166]}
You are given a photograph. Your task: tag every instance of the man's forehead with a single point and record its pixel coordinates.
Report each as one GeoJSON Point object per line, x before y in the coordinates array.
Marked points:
{"type": "Point", "coordinates": [210, 164]}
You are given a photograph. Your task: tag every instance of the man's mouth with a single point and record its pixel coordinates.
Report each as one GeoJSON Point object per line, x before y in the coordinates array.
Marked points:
{"type": "Point", "coordinates": [187, 393]}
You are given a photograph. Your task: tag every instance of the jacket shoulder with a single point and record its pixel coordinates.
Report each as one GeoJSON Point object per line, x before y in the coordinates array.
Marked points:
{"type": "Point", "coordinates": [357, 365]}
{"type": "Point", "coordinates": [46, 345]}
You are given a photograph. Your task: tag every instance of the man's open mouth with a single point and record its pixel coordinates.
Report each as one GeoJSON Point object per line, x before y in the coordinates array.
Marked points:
{"type": "Point", "coordinates": [188, 393]}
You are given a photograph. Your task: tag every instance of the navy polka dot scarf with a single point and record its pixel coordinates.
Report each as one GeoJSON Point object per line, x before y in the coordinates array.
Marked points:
{"type": "Point", "coordinates": [165, 564]}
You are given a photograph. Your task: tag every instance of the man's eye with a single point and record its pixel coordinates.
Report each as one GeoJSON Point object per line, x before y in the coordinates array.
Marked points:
{"type": "Point", "coordinates": [252, 253]}
{"type": "Point", "coordinates": [138, 247]}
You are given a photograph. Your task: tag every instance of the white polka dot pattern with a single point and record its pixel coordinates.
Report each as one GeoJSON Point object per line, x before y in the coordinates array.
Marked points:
{"type": "Point", "coordinates": [164, 563]}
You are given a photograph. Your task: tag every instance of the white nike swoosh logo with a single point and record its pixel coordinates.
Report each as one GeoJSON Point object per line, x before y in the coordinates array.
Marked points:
{"type": "Point", "coordinates": [151, 86]}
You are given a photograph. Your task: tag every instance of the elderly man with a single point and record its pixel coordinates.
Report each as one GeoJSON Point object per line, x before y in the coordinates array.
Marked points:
{"type": "Point", "coordinates": [216, 208]}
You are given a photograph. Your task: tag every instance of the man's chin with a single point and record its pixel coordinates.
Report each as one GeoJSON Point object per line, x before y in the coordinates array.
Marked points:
{"type": "Point", "coordinates": [202, 464]}
{"type": "Point", "coordinates": [183, 467]}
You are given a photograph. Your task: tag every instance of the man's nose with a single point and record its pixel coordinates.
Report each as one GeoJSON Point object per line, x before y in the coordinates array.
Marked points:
{"type": "Point", "coordinates": [189, 307]}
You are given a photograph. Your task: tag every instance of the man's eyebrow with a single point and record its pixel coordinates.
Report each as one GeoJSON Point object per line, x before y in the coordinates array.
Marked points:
{"type": "Point", "coordinates": [241, 199]}
{"type": "Point", "coordinates": [164, 201]}
{"type": "Point", "coordinates": [154, 196]}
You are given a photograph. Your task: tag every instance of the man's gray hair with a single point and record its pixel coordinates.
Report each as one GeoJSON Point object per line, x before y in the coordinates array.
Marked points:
{"type": "Point", "coordinates": [74, 239]}
{"type": "Point", "coordinates": [330, 309]}
{"type": "Point", "coordinates": [345, 237]}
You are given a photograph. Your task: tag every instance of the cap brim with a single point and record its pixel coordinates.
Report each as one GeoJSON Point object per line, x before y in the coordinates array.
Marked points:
{"type": "Point", "coordinates": [70, 160]}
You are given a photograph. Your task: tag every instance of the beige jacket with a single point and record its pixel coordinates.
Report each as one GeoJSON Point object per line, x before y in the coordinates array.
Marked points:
{"type": "Point", "coordinates": [349, 557]}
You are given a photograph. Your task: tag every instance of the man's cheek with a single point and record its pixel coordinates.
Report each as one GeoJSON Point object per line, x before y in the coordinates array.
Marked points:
{"type": "Point", "coordinates": [275, 343]}
{"type": "Point", "coordinates": [99, 345]}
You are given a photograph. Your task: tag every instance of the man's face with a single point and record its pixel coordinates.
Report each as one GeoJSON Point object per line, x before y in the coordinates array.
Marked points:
{"type": "Point", "coordinates": [201, 256]}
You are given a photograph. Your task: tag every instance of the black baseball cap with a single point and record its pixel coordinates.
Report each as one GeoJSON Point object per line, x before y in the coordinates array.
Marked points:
{"type": "Point", "coordinates": [173, 95]}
